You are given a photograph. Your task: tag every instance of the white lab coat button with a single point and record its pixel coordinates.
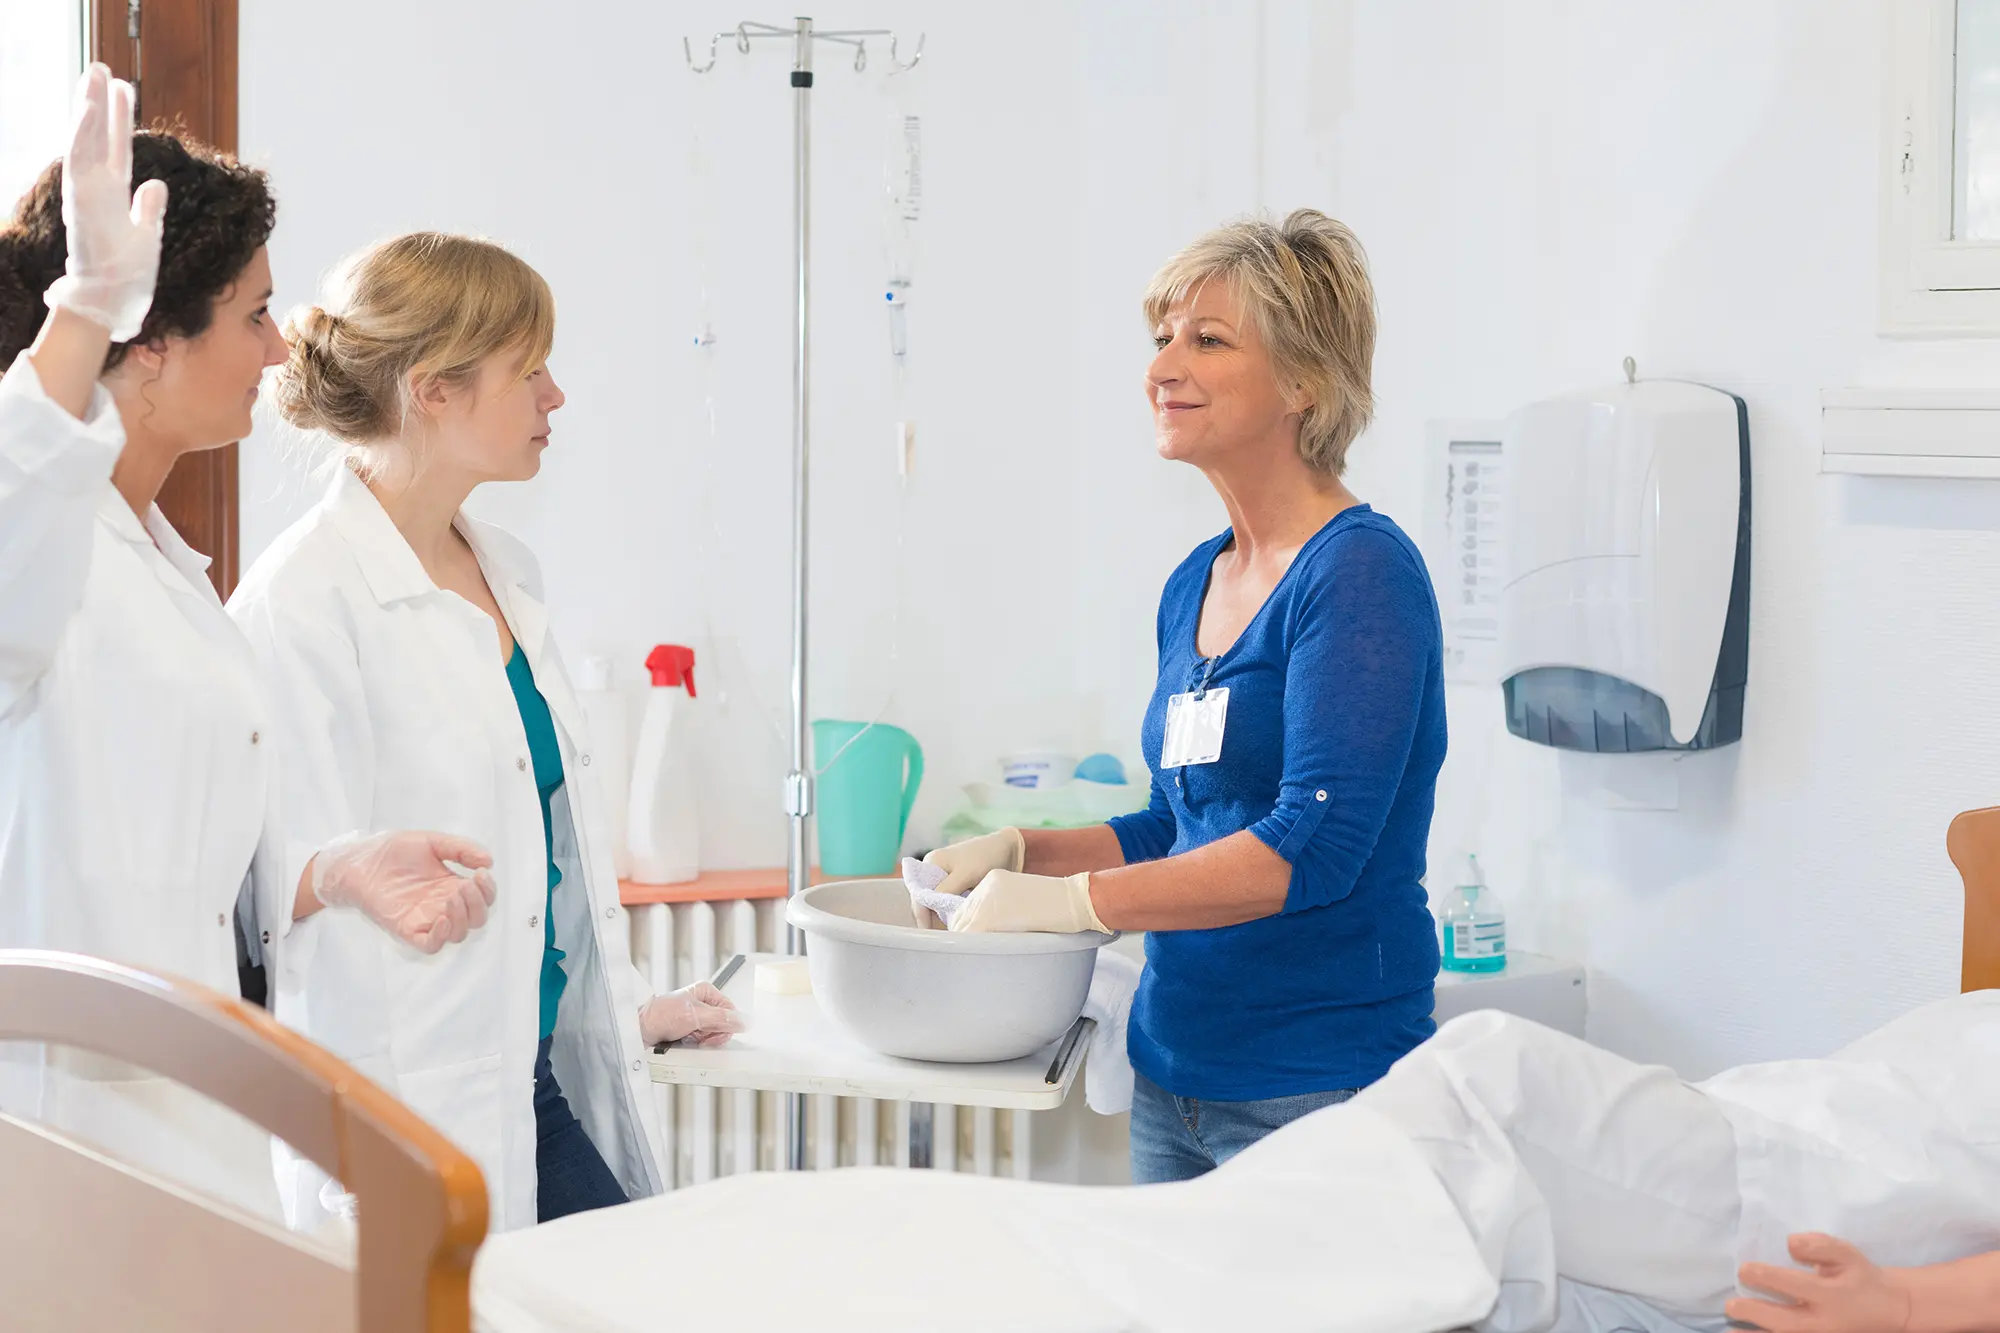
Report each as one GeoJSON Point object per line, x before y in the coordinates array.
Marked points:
{"type": "Point", "coordinates": [221, 919]}
{"type": "Point", "coordinates": [610, 914]}
{"type": "Point", "coordinates": [255, 737]}
{"type": "Point", "coordinates": [520, 765]}
{"type": "Point", "coordinates": [267, 937]}
{"type": "Point", "coordinates": [534, 921]}
{"type": "Point", "coordinates": [586, 761]}
{"type": "Point", "coordinates": [1320, 795]}
{"type": "Point", "coordinates": [635, 1066]}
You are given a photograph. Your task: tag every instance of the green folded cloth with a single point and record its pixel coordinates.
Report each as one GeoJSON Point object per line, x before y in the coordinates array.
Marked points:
{"type": "Point", "coordinates": [1076, 804]}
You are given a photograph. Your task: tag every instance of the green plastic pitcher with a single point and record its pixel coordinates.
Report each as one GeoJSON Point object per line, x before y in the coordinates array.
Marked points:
{"type": "Point", "coordinates": [865, 794]}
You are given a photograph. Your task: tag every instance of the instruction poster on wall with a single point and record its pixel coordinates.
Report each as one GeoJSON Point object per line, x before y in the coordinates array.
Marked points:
{"type": "Point", "coordinates": [1466, 531]}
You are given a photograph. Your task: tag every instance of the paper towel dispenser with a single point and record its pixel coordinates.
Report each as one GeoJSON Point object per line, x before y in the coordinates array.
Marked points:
{"type": "Point", "coordinates": [1625, 614]}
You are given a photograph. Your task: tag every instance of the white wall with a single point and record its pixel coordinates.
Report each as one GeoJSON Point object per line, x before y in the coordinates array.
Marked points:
{"type": "Point", "coordinates": [1544, 188]}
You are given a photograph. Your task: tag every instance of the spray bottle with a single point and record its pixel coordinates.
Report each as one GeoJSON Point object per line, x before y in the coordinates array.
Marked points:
{"type": "Point", "coordinates": [664, 825]}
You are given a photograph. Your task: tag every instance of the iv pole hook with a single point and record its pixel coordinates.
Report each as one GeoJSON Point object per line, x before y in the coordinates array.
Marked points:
{"type": "Point", "coordinates": [687, 49]}
{"type": "Point", "coordinates": [900, 67]}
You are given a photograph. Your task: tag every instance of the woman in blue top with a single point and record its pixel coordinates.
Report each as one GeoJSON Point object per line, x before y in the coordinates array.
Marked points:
{"type": "Point", "coordinates": [1295, 734]}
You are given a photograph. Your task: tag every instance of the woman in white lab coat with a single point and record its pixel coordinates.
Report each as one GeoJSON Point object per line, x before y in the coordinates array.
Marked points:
{"type": "Point", "coordinates": [418, 682]}
{"type": "Point", "coordinates": [136, 757]}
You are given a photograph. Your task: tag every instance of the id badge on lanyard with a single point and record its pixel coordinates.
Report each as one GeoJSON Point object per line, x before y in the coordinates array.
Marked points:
{"type": "Point", "coordinates": [1195, 723]}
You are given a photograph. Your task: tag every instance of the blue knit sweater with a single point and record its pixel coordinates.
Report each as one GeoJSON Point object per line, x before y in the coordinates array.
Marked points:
{"type": "Point", "coordinates": [1335, 734]}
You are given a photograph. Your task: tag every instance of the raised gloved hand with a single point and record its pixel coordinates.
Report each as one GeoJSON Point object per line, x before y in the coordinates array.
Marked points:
{"type": "Point", "coordinates": [966, 863]}
{"type": "Point", "coordinates": [400, 881]}
{"type": "Point", "coordinates": [1842, 1293]}
{"type": "Point", "coordinates": [1007, 900]}
{"type": "Point", "coordinates": [699, 1011]}
{"type": "Point", "coordinates": [112, 233]}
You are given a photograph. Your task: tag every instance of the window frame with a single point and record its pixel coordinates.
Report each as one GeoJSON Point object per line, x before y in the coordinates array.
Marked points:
{"type": "Point", "coordinates": [1931, 286]}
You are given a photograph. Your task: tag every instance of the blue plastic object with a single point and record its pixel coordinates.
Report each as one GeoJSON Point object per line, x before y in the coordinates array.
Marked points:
{"type": "Point", "coordinates": [1102, 768]}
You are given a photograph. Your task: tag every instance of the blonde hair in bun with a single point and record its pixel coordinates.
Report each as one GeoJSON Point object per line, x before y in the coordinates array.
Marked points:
{"type": "Point", "coordinates": [417, 308]}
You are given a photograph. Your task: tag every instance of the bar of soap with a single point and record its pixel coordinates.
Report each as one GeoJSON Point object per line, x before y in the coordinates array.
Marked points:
{"type": "Point", "coordinates": [785, 977]}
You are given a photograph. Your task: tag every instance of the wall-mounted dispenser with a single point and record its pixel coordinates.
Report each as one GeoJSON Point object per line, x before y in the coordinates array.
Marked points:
{"type": "Point", "coordinates": [1625, 622]}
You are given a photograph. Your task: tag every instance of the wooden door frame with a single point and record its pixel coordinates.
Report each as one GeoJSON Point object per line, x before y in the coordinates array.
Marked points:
{"type": "Point", "coordinates": [181, 55]}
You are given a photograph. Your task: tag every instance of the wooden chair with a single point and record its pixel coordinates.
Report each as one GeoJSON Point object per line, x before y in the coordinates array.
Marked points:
{"type": "Point", "coordinates": [1974, 844]}
{"type": "Point", "coordinates": [88, 1244]}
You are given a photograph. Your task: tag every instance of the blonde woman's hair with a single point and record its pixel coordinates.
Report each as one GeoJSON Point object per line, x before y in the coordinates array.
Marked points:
{"type": "Point", "coordinates": [426, 306]}
{"type": "Point", "coordinates": [1304, 283]}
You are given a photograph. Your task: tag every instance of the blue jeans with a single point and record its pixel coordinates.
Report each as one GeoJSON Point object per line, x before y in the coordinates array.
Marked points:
{"type": "Point", "coordinates": [1179, 1138]}
{"type": "Point", "coordinates": [570, 1173]}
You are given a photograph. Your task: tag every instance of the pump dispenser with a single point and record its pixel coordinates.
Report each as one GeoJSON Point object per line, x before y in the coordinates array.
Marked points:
{"type": "Point", "coordinates": [1474, 924]}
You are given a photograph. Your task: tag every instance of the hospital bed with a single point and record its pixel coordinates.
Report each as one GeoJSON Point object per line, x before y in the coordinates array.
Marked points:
{"type": "Point", "coordinates": [87, 1243]}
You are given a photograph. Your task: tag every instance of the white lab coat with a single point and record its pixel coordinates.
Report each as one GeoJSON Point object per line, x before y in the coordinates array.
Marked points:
{"type": "Point", "coordinates": [395, 711]}
{"type": "Point", "coordinates": [136, 772]}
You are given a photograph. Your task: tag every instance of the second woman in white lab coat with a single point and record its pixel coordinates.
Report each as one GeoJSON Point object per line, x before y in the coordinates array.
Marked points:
{"type": "Point", "coordinates": [416, 680]}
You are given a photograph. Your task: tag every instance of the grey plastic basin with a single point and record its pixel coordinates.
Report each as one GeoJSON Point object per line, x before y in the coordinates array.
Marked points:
{"type": "Point", "coordinates": [930, 994]}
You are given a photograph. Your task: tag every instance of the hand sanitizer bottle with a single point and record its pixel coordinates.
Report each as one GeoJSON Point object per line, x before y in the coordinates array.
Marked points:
{"type": "Point", "coordinates": [1474, 924]}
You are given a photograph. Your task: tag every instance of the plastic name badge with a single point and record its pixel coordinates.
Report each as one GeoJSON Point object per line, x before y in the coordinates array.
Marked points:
{"type": "Point", "coordinates": [1194, 728]}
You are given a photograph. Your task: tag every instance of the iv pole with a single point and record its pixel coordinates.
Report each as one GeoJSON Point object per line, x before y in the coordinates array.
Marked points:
{"type": "Point", "coordinates": [799, 782]}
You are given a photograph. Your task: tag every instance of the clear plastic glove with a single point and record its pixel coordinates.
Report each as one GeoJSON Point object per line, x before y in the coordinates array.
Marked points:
{"type": "Point", "coordinates": [1009, 901]}
{"type": "Point", "coordinates": [700, 1012]}
{"type": "Point", "coordinates": [1838, 1291]}
{"type": "Point", "coordinates": [966, 863]}
{"type": "Point", "coordinates": [401, 882]}
{"type": "Point", "coordinates": [112, 233]}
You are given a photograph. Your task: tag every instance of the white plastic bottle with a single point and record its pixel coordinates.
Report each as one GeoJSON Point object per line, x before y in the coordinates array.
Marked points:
{"type": "Point", "coordinates": [610, 723]}
{"type": "Point", "coordinates": [663, 830]}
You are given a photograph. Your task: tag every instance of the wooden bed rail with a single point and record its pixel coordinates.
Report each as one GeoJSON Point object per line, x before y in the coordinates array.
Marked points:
{"type": "Point", "coordinates": [1974, 844]}
{"type": "Point", "coordinates": [421, 1202]}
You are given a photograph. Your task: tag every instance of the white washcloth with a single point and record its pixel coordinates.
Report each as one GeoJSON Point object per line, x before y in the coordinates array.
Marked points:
{"type": "Point", "coordinates": [1107, 1072]}
{"type": "Point", "coordinates": [928, 905]}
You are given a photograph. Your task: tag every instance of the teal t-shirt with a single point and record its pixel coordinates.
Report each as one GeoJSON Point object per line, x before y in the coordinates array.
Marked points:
{"type": "Point", "coordinates": [547, 757]}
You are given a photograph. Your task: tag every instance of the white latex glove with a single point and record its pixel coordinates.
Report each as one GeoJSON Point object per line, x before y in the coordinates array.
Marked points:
{"type": "Point", "coordinates": [112, 233]}
{"type": "Point", "coordinates": [699, 1011]}
{"type": "Point", "coordinates": [1841, 1293]}
{"type": "Point", "coordinates": [401, 882]}
{"type": "Point", "coordinates": [1009, 901]}
{"type": "Point", "coordinates": [966, 863]}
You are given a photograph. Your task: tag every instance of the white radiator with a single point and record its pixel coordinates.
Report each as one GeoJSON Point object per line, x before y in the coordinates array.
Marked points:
{"type": "Point", "coordinates": [712, 1133]}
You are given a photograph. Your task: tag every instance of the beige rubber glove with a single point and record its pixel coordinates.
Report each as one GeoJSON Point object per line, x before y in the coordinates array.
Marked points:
{"type": "Point", "coordinates": [1007, 900]}
{"type": "Point", "coordinates": [966, 863]}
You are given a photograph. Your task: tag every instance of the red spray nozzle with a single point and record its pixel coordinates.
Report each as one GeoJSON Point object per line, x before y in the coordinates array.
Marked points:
{"type": "Point", "coordinates": [672, 665]}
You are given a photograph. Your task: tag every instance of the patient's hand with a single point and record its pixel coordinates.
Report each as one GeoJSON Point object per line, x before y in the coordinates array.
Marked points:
{"type": "Point", "coordinates": [1842, 1293]}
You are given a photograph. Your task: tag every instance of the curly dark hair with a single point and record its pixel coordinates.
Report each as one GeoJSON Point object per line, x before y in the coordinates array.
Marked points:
{"type": "Point", "coordinates": [219, 213]}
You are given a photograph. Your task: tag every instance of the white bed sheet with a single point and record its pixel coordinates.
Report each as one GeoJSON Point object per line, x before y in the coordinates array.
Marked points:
{"type": "Point", "coordinates": [1334, 1226]}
